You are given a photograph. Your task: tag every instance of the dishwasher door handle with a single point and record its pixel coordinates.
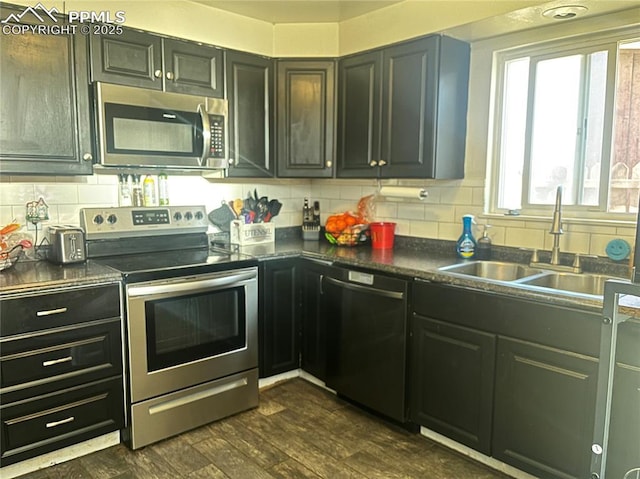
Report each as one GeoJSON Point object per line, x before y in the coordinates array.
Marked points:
{"type": "Point", "coordinates": [365, 289]}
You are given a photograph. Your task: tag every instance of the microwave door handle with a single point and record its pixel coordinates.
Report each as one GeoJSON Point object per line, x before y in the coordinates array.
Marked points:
{"type": "Point", "coordinates": [206, 134]}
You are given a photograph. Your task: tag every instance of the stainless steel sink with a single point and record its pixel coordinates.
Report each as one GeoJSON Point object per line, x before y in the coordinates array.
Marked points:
{"type": "Point", "coordinates": [583, 283]}
{"type": "Point", "coordinates": [528, 277]}
{"type": "Point", "coordinates": [495, 270]}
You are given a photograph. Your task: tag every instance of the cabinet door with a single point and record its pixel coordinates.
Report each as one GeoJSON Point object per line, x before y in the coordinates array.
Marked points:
{"type": "Point", "coordinates": [306, 119]}
{"type": "Point", "coordinates": [250, 91]}
{"type": "Point", "coordinates": [193, 69]}
{"type": "Point", "coordinates": [314, 333]}
{"type": "Point", "coordinates": [279, 328]}
{"type": "Point", "coordinates": [409, 89]}
{"type": "Point", "coordinates": [131, 58]}
{"type": "Point", "coordinates": [452, 381]}
{"type": "Point", "coordinates": [543, 413]}
{"type": "Point", "coordinates": [44, 104]}
{"type": "Point", "coordinates": [359, 103]}
{"type": "Point", "coordinates": [42, 363]}
{"type": "Point", "coordinates": [623, 451]}
{"type": "Point", "coordinates": [53, 421]}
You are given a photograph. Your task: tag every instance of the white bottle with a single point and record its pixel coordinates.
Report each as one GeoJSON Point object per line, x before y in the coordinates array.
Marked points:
{"type": "Point", "coordinates": [124, 191]}
{"type": "Point", "coordinates": [163, 189]}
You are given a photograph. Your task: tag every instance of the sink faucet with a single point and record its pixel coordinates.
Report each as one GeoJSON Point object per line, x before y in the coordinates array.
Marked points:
{"type": "Point", "coordinates": [556, 231]}
{"type": "Point", "coordinates": [556, 228]}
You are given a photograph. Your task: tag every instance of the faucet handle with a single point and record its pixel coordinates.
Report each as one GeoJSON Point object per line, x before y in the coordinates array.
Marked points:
{"type": "Point", "coordinates": [534, 256]}
{"type": "Point", "coordinates": [577, 264]}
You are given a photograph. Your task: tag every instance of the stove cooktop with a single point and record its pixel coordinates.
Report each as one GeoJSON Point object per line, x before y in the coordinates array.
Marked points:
{"type": "Point", "coordinates": [161, 265]}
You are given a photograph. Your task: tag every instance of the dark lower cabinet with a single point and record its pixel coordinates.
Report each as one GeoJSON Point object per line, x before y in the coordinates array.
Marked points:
{"type": "Point", "coordinates": [452, 381]}
{"type": "Point", "coordinates": [251, 93]}
{"type": "Point", "coordinates": [45, 423]}
{"type": "Point", "coordinates": [60, 369]}
{"type": "Point", "coordinates": [278, 326]}
{"type": "Point", "coordinates": [512, 378]}
{"type": "Point", "coordinates": [624, 433]}
{"type": "Point", "coordinates": [45, 126]}
{"type": "Point", "coordinates": [623, 450]}
{"type": "Point", "coordinates": [314, 327]}
{"type": "Point", "coordinates": [544, 409]}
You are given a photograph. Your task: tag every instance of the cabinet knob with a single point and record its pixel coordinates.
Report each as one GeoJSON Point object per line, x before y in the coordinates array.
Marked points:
{"type": "Point", "coordinates": [382, 163]}
{"type": "Point", "coordinates": [170, 75]}
{"type": "Point", "coordinates": [157, 73]}
{"type": "Point", "coordinates": [329, 164]}
{"type": "Point", "coordinates": [231, 161]}
{"type": "Point", "coordinates": [373, 163]}
{"type": "Point", "coordinates": [87, 157]}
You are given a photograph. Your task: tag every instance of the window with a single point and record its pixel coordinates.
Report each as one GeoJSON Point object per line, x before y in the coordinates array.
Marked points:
{"type": "Point", "coordinates": [568, 115]}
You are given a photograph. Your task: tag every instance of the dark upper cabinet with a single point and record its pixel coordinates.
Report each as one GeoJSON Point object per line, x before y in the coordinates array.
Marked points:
{"type": "Point", "coordinates": [359, 106]}
{"type": "Point", "coordinates": [402, 111]}
{"type": "Point", "coordinates": [544, 409]}
{"type": "Point", "coordinates": [278, 326]}
{"type": "Point", "coordinates": [45, 125]}
{"type": "Point", "coordinates": [305, 118]}
{"type": "Point", "coordinates": [452, 381]}
{"type": "Point", "coordinates": [145, 60]}
{"type": "Point", "coordinates": [250, 91]}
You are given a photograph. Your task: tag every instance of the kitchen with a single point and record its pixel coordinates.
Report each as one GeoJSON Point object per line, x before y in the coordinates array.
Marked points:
{"type": "Point", "coordinates": [437, 217]}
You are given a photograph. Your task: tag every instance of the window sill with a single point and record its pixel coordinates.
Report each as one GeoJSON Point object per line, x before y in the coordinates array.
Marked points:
{"type": "Point", "coordinates": [626, 223]}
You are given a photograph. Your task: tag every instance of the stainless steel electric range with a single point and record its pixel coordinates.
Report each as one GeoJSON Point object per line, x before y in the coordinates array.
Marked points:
{"type": "Point", "coordinates": [191, 318]}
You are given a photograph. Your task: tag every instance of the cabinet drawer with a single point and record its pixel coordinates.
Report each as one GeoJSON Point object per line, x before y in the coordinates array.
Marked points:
{"type": "Point", "coordinates": [52, 421]}
{"type": "Point", "coordinates": [92, 352]}
{"type": "Point", "coordinates": [50, 310]}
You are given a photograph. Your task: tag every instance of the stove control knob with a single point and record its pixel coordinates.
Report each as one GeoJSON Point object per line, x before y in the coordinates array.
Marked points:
{"type": "Point", "coordinates": [177, 216]}
{"type": "Point", "coordinates": [98, 219]}
{"type": "Point", "coordinates": [188, 216]}
{"type": "Point", "coordinates": [111, 219]}
{"type": "Point", "coordinates": [199, 215]}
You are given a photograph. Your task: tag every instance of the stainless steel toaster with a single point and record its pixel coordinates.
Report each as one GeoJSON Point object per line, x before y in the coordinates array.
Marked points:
{"type": "Point", "coordinates": [67, 244]}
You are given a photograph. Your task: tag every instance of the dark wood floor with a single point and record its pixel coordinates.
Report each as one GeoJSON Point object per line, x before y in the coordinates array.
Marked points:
{"type": "Point", "coordinates": [298, 431]}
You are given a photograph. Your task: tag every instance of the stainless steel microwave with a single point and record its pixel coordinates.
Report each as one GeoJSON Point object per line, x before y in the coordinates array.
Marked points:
{"type": "Point", "coordinates": [145, 128]}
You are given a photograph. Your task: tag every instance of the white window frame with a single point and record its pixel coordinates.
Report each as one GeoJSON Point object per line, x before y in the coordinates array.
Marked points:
{"type": "Point", "coordinates": [582, 44]}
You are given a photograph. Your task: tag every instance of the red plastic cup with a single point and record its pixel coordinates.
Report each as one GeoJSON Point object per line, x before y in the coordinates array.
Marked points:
{"type": "Point", "coordinates": [382, 234]}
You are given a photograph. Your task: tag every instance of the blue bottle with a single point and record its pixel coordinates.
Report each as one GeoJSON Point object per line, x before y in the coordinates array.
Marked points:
{"type": "Point", "coordinates": [466, 244]}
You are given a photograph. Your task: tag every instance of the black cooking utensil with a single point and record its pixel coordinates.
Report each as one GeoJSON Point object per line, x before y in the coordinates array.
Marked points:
{"type": "Point", "coordinates": [222, 217]}
{"type": "Point", "coordinates": [261, 209]}
{"type": "Point", "coordinates": [274, 208]}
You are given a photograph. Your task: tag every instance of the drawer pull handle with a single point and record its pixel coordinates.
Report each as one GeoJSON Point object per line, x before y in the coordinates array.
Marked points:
{"type": "Point", "coordinates": [51, 311]}
{"type": "Point", "coordinates": [57, 361]}
{"type": "Point", "coordinates": [59, 423]}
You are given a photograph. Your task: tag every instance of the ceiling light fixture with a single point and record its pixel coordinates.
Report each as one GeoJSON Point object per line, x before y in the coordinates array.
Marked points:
{"type": "Point", "coordinates": [564, 12]}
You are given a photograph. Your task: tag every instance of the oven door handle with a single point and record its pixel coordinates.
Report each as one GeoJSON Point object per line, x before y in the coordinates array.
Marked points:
{"type": "Point", "coordinates": [225, 281]}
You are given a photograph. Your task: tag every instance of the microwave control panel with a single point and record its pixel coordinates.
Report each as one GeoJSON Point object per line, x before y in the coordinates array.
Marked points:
{"type": "Point", "coordinates": [217, 136]}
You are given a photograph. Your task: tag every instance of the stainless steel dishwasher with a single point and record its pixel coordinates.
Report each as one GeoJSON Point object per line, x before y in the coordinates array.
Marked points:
{"type": "Point", "coordinates": [366, 317]}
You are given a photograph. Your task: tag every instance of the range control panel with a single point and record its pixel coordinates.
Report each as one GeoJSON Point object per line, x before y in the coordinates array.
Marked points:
{"type": "Point", "coordinates": [106, 223]}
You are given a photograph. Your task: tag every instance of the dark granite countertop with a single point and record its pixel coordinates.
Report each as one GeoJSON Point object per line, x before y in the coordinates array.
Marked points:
{"type": "Point", "coordinates": [411, 257]}
{"type": "Point", "coordinates": [421, 259]}
{"type": "Point", "coordinates": [32, 276]}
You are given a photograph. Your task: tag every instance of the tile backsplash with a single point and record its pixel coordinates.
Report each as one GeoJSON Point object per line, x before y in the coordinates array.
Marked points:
{"type": "Point", "coordinates": [438, 217]}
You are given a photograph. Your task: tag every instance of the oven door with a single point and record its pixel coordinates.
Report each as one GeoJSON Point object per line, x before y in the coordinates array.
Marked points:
{"type": "Point", "coordinates": [189, 330]}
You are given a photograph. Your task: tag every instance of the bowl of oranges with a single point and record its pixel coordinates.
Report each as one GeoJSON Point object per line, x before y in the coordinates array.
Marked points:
{"type": "Point", "coordinates": [346, 229]}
